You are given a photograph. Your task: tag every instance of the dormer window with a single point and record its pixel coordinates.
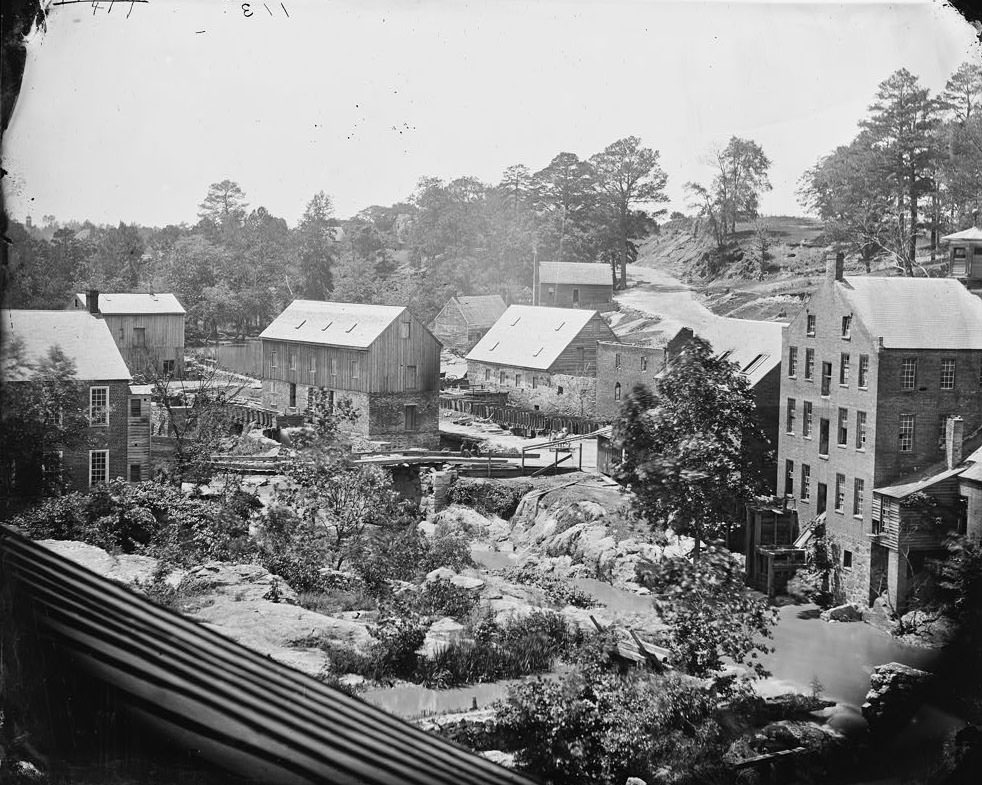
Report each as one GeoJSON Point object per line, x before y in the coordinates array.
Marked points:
{"type": "Point", "coordinates": [302, 323]}
{"type": "Point", "coordinates": [561, 326]}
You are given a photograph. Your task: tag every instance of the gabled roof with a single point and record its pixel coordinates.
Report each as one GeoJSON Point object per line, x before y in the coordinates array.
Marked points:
{"type": "Point", "coordinates": [916, 313]}
{"type": "Point", "coordinates": [972, 233]}
{"type": "Point", "coordinates": [973, 471]}
{"type": "Point", "coordinates": [481, 310]}
{"type": "Point", "coordinates": [127, 303]}
{"type": "Point", "coordinates": [351, 325]}
{"type": "Point", "coordinates": [904, 490]}
{"type": "Point", "coordinates": [530, 336]}
{"type": "Point", "coordinates": [84, 338]}
{"type": "Point", "coordinates": [575, 273]}
{"type": "Point", "coordinates": [755, 346]}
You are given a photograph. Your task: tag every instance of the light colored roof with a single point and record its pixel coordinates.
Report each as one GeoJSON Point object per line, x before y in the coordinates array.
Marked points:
{"type": "Point", "coordinates": [530, 336]}
{"type": "Point", "coordinates": [755, 346]}
{"type": "Point", "coordinates": [575, 272]}
{"type": "Point", "coordinates": [916, 313]}
{"type": "Point", "coordinates": [81, 336]}
{"type": "Point", "coordinates": [974, 470]}
{"type": "Point", "coordinates": [117, 303]}
{"type": "Point", "coordinates": [971, 233]}
{"type": "Point", "coordinates": [906, 489]}
{"type": "Point", "coordinates": [481, 310]}
{"type": "Point", "coordinates": [352, 325]}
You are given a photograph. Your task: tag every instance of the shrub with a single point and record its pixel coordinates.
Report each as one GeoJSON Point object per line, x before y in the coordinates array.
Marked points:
{"type": "Point", "coordinates": [406, 555]}
{"type": "Point", "coordinates": [558, 591]}
{"type": "Point", "coordinates": [293, 548]}
{"type": "Point", "coordinates": [436, 598]}
{"type": "Point", "coordinates": [331, 601]}
{"type": "Point", "coordinates": [490, 497]}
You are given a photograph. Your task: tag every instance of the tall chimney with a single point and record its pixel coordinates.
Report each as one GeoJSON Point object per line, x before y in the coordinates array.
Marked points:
{"type": "Point", "coordinates": [92, 301]}
{"type": "Point", "coordinates": [835, 266]}
{"type": "Point", "coordinates": [954, 432]}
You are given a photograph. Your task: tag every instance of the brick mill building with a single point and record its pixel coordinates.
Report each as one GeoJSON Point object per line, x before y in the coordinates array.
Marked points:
{"type": "Point", "coordinates": [118, 435]}
{"type": "Point", "coordinates": [463, 320]}
{"type": "Point", "coordinates": [874, 369]}
{"type": "Point", "coordinates": [379, 357]}
{"type": "Point", "coordinates": [544, 358]}
{"type": "Point", "coordinates": [574, 285]}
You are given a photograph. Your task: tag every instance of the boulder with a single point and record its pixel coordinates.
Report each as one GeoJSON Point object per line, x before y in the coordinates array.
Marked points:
{"type": "Point", "coordinates": [896, 691]}
{"type": "Point", "coordinates": [467, 582]}
{"type": "Point", "coordinates": [439, 574]}
{"type": "Point", "coordinates": [128, 569]}
{"type": "Point", "coordinates": [506, 759]}
{"type": "Point", "coordinates": [244, 581]}
{"type": "Point", "coordinates": [440, 634]}
{"type": "Point", "coordinates": [847, 612]}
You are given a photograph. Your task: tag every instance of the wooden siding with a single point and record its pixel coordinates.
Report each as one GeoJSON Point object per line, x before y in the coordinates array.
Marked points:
{"type": "Point", "coordinates": [579, 358]}
{"type": "Point", "coordinates": [138, 437]}
{"type": "Point", "coordinates": [381, 367]}
{"type": "Point", "coordinates": [906, 528]}
{"type": "Point", "coordinates": [590, 295]}
{"type": "Point", "coordinates": [164, 339]}
{"type": "Point", "coordinates": [451, 327]}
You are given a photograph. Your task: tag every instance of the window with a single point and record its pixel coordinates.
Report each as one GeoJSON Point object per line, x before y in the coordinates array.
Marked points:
{"type": "Point", "coordinates": [487, 374]}
{"type": "Point", "coordinates": [136, 472]}
{"type": "Point", "coordinates": [518, 380]}
{"type": "Point", "coordinates": [806, 482]}
{"type": "Point", "coordinates": [535, 381]}
{"type": "Point", "coordinates": [617, 360]}
{"type": "Point", "coordinates": [354, 369]}
{"type": "Point", "coordinates": [139, 336]}
{"type": "Point", "coordinates": [806, 419]}
{"type": "Point", "coordinates": [51, 465]}
{"type": "Point", "coordinates": [826, 378]}
{"type": "Point", "coordinates": [810, 325]}
{"type": "Point", "coordinates": [293, 361]}
{"type": "Point", "coordinates": [312, 366]}
{"type": "Point", "coordinates": [858, 488]}
{"type": "Point", "coordinates": [791, 412]}
{"type": "Point", "coordinates": [293, 396]}
{"type": "Point", "coordinates": [789, 478]}
{"type": "Point", "coordinates": [405, 329]}
{"type": "Point", "coordinates": [793, 361]}
{"type": "Point", "coordinates": [823, 437]}
{"type": "Point", "coordinates": [98, 466]}
{"type": "Point", "coordinates": [860, 430]}
{"type": "Point", "coordinates": [136, 407]}
{"type": "Point", "coordinates": [617, 391]}
{"type": "Point", "coordinates": [501, 377]}
{"type": "Point", "coordinates": [122, 334]}
{"type": "Point", "coordinates": [809, 363]}
{"type": "Point", "coordinates": [846, 326]}
{"type": "Point", "coordinates": [559, 389]}
{"type": "Point", "coordinates": [410, 414]}
{"type": "Point", "coordinates": [334, 366]}
{"type": "Point", "coordinates": [410, 377]}
{"type": "Point", "coordinates": [169, 367]}
{"type": "Point", "coordinates": [947, 373]}
{"type": "Point", "coordinates": [98, 406]}
{"type": "Point", "coordinates": [906, 432]}
{"type": "Point", "coordinates": [908, 376]}
{"type": "Point", "coordinates": [644, 363]}
{"type": "Point", "coordinates": [843, 430]}
{"type": "Point", "coordinates": [576, 296]}
{"type": "Point", "coordinates": [844, 369]}
{"type": "Point", "coordinates": [272, 358]}
{"type": "Point", "coordinates": [821, 498]}
{"type": "Point", "coordinates": [847, 560]}
{"type": "Point", "coordinates": [840, 492]}
{"type": "Point", "coordinates": [864, 371]}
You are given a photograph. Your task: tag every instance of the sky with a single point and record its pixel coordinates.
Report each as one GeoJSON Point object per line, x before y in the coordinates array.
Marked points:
{"type": "Point", "coordinates": [128, 113]}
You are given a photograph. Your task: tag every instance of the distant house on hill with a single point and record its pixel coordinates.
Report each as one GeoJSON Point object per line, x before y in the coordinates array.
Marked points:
{"type": "Point", "coordinates": [965, 257]}
{"type": "Point", "coordinates": [380, 357]}
{"type": "Point", "coordinates": [574, 285]}
{"type": "Point", "coordinates": [118, 433]}
{"type": "Point", "coordinates": [544, 358]}
{"type": "Point", "coordinates": [148, 328]}
{"type": "Point", "coordinates": [464, 319]}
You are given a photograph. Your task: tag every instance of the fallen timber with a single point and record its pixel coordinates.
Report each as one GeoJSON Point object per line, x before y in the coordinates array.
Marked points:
{"type": "Point", "coordinates": [639, 652]}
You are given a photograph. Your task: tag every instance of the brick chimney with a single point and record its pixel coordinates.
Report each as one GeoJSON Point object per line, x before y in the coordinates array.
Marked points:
{"type": "Point", "coordinates": [954, 432]}
{"type": "Point", "coordinates": [92, 301]}
{"type": "Point", "coordinates": [835, 265]}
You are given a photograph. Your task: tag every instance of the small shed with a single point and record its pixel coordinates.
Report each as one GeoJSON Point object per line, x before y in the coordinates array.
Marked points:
{"type": "Point", "coordinates": [463, 321]}
{"type": "Point", "coordinates": [965, 256]}
{"type": "Point", "coordinates": [575, 285]}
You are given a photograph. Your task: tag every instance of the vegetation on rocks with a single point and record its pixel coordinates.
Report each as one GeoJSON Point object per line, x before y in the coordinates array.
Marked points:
{"type": "Point", "coordinates": [489, 497]}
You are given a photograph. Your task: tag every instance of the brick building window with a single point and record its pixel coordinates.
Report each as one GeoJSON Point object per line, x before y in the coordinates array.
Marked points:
{"type": "Point", "coordinates": [906, 432]}
{"type": "Point", "coordinates": [617, 391]}
{"type": "Point", "coordinates": [858, 489]}
{"type": "Point", "coordinates": [806, 418]}
{"type": "Point", "coordinates": [947, 373]}
{"type": "Point", "coordinates": [860, 430]}
{"type": "Point", "coordinates": [846, 326]}
{"type": "Point", "coordinates": [788, 478]}
{"type": "Point", "coordinates": [810, 325]}
{"type": "Point", "coordinates": [806, 482]}
{"type": "Point", "coordinates": [791, 413]}
{"type": "Point", "coordinates": [863, 371]}
{"type": "Point", "coordinates": [617, 360]}
{"type": "Point", "coordinates": [840, 492]}
{"type": "Point", "coordinates": [98, 466]}
{"type": "Point", "coordinates": [844, 369]}
{"type": "Point", "coordinates": [843, 430]}
{"type": "Point", "coordinates": [809, 363]}
{"type": "Point", "coordinates": [823, 437]}
{"type": "Point", "coordinates": [826, 378]}
{"type": "Point", "coordinates": [908, 375]}
{"type": "Point", "coordinates": [98, 406]}
{"type": "Point", "coordinates": [793, 361]}
{"type": "Point", "coordinates": [410, 414]}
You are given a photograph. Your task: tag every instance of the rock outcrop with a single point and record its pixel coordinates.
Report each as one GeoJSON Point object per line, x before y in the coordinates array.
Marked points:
{"type": "Point", "coordinates": [896, 692]}
{"type": "Point", "coordinates": [847, 612]}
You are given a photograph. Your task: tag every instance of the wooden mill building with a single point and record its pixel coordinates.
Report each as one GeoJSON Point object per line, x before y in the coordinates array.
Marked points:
{"type": "Point", "coordinates": [464, 319]}
{"type": "Point", "coordinates": [379, 357]}
{"type": "Point", "coordinates": [574, 285]}
{"type": "Point", "coordinates": [544, 358]}
{"type": "Point", "coordinates": [148, 328]}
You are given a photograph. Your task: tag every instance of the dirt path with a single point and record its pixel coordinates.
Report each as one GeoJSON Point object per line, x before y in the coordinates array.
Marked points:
{"type": "Point", "coordinates": [657, 292]}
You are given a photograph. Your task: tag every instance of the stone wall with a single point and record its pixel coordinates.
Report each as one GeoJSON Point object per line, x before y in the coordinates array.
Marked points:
{"type": "Point", "coordinates": [555, 394]}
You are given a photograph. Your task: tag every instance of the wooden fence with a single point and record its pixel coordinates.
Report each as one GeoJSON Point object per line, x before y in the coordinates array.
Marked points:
{"type": "Point", "coordinates": [520, 420]}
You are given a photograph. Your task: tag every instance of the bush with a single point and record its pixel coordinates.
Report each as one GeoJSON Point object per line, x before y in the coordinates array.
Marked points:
{"type": "Point", "coordinates": [489, 497]}
{"type": "Point", "coordinates": [332, 601]}
{"type": "Point", "coordinates": [391, 656]}
{"type": "Point", "coordinates": [435, 598]}
{"type": "Point", "coordinates": [558, 591]}
{"type": "Point", "coordinates": [293, 548]}
{"type": "Point", "coordinates": [407, 555]}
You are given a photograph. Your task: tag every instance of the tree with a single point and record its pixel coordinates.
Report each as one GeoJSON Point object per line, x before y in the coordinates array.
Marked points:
{"type": "Point", "coordinates": [317, 249]}
{"type": "Point", "coordinates": [224, 205]}
{"type": "Point", "coordinates": [626, 174]}
{"type": "Point", "coordinates": [963, 91]}
{"type": "Point", "coordinates": [564, 195]}
{"type": "Point", "coordinates": [689, 445]}
{"type": "Point", "coordinates": [40, 414]}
